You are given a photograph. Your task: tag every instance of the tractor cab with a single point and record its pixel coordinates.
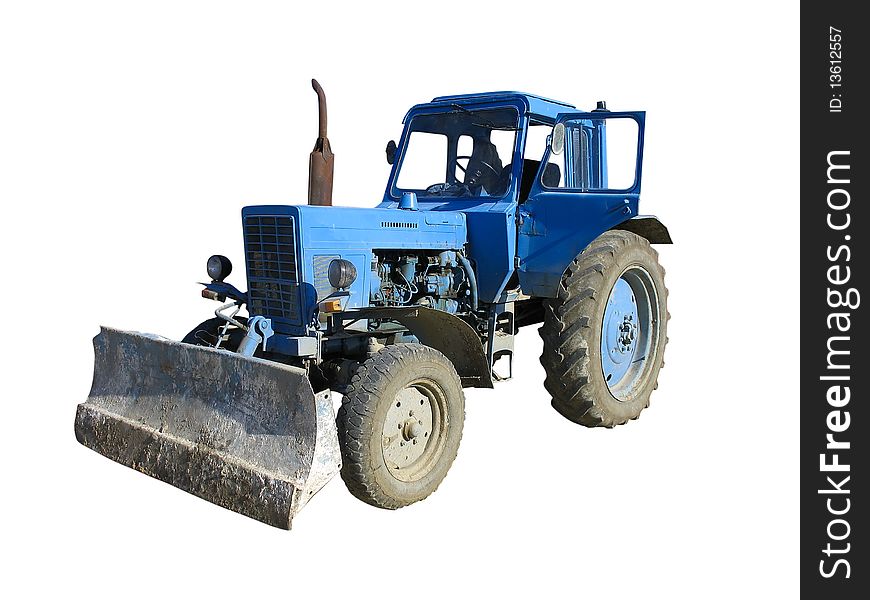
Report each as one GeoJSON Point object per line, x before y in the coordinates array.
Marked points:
{"type": "Point", "coordinates": [482, 149]}
{"type": "Point", "coordinates": [535, 178]}
{"type": "Point", "coordinates": [459, 153]}
{"type": "Point", "coordinates": [466, 151]}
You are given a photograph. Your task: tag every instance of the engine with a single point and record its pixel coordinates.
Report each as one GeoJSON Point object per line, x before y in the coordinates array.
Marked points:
{"type": "Point", "coordinates": [429, 278]}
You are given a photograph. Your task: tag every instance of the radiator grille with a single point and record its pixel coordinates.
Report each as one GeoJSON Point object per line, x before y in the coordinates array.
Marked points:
{"type": "Point", "coordinates": [273, 280]}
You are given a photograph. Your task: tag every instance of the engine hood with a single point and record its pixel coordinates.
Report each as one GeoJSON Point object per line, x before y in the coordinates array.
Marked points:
{"type": "Point", "coordinates": [369, 228]}
{"type": "Point", "coordinates": [288, 270]}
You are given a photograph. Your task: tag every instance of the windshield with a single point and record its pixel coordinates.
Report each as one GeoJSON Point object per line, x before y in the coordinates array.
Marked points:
{"type": "Point", "coordinates": [463, 153]}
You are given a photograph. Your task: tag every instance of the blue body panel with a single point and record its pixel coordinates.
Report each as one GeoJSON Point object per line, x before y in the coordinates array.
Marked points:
{"type": "Point", "coordinates": [352, 234]}
{"type": "Point", "coordinates": [557, 226]}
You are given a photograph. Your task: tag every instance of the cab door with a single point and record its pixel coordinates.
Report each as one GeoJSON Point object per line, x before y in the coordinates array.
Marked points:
{"type": "Point", "coordinates": [586, 184]}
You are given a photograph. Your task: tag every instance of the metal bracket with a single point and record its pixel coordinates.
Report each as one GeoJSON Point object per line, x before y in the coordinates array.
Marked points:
{"type": "Point", "coordinates": [259, 331]}
{"type": "Point", "coordinates": [500, 336]}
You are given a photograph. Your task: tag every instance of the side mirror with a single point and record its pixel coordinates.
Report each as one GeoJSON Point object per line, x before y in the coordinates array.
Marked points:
{"type": "Point", "coordinates": [557, 140]}
{"type": "Point", "coordinates": [391, 152]}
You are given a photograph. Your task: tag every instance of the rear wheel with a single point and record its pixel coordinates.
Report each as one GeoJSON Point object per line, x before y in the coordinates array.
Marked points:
{"type": "Point", "coordinates": [605, 332]}
{"type": "Point", "coordinates": [400, 425]}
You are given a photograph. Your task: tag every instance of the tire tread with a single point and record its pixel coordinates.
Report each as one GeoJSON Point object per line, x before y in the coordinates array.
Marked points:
{"type": "Point", "coordinates": [567, 330]}
{"type": "Point", "coordinates": [355, 418]}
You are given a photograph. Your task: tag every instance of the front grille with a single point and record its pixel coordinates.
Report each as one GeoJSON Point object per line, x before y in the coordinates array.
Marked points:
{"type": "Point", "coordinates": [273, 280]}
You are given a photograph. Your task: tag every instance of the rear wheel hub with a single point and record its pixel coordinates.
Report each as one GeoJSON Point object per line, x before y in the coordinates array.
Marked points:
{"type": "Point", "coordinates": [627, 331]}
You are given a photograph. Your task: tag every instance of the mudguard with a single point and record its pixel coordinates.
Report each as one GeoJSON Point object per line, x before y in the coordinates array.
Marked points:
{"type": "Point", "coordinates": [649, 227]}
{"type": "Point", "coordinates": [445, 332]}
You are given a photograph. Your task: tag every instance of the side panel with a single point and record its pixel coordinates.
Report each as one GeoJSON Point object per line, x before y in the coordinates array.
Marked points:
{"type": "Point", "coordinates": [492, 245]}
{"type": "Point", "coordinates": [556, 226]}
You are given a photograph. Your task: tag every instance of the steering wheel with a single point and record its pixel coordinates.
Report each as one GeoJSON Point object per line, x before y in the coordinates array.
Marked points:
{"type": "Point", "coordinates": [495, 171]}
{"type": "Point", "coordinates": [448, 188]}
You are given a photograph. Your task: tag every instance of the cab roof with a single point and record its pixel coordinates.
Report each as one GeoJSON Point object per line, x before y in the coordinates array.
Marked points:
{"type": "Point", "coordinates": [535, 105]}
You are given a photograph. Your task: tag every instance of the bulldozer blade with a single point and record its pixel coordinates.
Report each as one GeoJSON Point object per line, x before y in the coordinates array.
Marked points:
{"type": "Point", "coordinates": [244, 433]}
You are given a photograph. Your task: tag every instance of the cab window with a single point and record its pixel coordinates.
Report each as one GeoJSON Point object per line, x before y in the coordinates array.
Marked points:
{"type": "Point", "coordinates": [601, 153]}
{"type": "Point", "coordinates": [459, 153]}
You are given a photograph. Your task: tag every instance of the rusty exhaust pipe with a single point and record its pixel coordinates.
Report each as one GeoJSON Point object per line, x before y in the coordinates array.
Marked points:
{"type": "Point", "coordinates": [321, 163]}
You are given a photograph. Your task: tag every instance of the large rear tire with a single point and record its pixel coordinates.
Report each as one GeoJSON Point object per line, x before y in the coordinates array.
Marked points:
{"type": "Point", "coordinates": [605, 332]}
{"type": "Point", "coordinates": [400, 425]}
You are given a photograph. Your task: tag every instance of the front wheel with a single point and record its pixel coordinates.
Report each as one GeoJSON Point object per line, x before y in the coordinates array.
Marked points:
{"type": "Point", "coordinates": [399, 425]}
{"type": "Point", "coordinates": [605, 332]}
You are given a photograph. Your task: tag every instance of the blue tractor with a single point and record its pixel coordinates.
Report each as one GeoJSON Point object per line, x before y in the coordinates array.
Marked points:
{"type": "Point", "coordinates": [502, 210]}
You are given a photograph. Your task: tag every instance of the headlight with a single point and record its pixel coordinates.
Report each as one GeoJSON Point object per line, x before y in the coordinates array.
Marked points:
{"type": "Point", "coordinates": [219, 267]}
{"type": "Point", "coordinates": [342, 273]}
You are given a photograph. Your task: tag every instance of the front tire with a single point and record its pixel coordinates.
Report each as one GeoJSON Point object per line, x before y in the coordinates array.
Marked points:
{"type": "Point", "coordinates": [605, 332]}
{"type": "Point", "coordinates": [399, 425]}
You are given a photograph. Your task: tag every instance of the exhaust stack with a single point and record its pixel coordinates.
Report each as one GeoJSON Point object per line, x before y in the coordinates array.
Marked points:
{"type": "Point", "coordinates": [322, 161]}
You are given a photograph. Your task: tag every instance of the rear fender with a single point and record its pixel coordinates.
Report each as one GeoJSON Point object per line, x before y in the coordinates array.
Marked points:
{"type": "Point", "coordinates": [649, 227]}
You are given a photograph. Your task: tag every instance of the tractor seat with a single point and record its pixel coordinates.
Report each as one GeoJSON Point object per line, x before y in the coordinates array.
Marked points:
{"type": "Point", "coordinates": [551, 177]}
{"type": "Point", "coordinates": [484, 166]}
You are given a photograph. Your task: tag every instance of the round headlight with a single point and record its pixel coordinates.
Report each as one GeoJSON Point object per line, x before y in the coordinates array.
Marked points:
{"type": "Point", "coordinates": [218, 267]}
{"type": "Point", "coordinates": [342, 273]}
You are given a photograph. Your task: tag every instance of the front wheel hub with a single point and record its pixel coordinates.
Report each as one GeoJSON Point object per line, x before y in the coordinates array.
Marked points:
{"type": "Point", "coordinates": [411, 432]}
{"type": "Point", "coordinates": [412, 429]}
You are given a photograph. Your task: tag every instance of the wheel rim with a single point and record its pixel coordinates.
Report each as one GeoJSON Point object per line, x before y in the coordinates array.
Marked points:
{"type": "Point", "coordinates": [414, 432]}
{"type": "Point", "coordinates": [629, 332]}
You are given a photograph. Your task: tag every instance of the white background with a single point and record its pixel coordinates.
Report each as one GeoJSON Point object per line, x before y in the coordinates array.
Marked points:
{"type": "Point", "coordinates": [131, 134]}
